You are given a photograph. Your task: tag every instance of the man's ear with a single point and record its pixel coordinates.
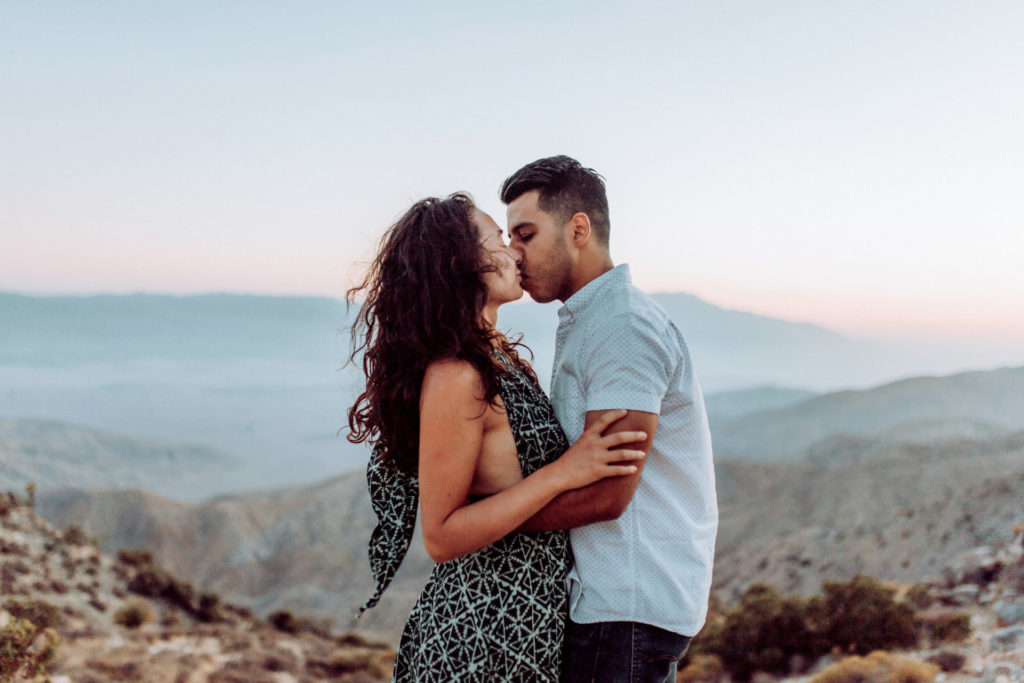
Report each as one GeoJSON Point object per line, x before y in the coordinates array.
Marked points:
{"type": "Point", "coordinates": [580, 229]}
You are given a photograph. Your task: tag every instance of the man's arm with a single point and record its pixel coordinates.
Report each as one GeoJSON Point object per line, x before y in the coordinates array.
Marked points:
{"type": "Point", "coordinates": [605, 499]}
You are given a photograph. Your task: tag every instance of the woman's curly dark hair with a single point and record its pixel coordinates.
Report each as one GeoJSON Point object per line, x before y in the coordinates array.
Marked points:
{"type": "Point", "coordinates": [424, 295]}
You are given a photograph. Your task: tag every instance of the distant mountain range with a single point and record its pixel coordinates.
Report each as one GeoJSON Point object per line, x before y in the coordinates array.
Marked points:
{"type": "Point", "coordinates": [986, 403]}
{"type": "Point", "coordinates": [732, 349]}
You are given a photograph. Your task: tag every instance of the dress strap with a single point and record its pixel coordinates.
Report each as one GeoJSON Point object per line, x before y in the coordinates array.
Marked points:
{"type": "Point", "coordinates": [394, 495]}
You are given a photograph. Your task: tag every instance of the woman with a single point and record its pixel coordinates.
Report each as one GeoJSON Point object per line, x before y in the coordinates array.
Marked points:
{"type": "Point", "coordinates": [460, 424]}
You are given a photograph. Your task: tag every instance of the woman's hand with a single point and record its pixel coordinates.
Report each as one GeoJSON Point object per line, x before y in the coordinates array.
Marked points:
{"type": "Point", "coordinates": [591, 458]}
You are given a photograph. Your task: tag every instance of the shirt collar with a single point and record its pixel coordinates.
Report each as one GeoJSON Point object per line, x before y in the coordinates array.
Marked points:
{"type": "Point", "coordinates": [616, 277]}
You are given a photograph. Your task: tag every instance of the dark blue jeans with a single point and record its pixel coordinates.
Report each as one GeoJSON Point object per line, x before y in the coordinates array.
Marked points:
{"type": "Point", "coordinates": [620, 652]}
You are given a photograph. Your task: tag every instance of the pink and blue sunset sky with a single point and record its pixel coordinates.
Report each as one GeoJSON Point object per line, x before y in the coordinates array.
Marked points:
{"type": "Point", "coordinates": [859, 165]}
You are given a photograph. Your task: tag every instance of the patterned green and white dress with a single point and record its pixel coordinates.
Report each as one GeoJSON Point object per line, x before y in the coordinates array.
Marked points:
{"type": "Point", "coordinates": [497, 614]}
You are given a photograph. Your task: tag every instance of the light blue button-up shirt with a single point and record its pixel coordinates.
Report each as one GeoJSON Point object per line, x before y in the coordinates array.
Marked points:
{"type": "Point", "coordinates": [617, 348]}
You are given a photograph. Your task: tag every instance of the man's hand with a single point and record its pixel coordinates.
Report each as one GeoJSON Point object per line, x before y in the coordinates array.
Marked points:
{"type": "Point", "coordinates": [603, 500]}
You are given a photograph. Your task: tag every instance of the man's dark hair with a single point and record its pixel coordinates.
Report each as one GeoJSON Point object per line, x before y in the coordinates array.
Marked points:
{"type": "Point", "coordinates": [566, 188]}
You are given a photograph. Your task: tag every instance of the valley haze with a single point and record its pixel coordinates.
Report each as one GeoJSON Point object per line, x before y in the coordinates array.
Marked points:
{"type": "Point", "coordinates": [263, 381]}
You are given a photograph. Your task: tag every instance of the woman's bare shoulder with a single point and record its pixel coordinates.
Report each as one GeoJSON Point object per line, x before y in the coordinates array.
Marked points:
{"type": "Point", "coordinates": [453, 378]}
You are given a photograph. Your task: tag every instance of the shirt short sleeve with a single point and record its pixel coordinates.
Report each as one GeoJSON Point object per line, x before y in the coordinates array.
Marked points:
{"type": "Point", "coordinates": [628, 364]}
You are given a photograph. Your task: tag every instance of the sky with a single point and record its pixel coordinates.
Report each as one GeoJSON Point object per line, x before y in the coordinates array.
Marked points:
{"type": "Point", "coordinates": [858, 165]}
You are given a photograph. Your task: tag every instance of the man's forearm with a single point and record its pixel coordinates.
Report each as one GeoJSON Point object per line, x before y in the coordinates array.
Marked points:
{"type": "Point", "coordinates": [594, 503]}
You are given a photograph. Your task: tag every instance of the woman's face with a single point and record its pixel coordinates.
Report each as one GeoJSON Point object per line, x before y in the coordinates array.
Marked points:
{"type": "Point", "coordinates": [504, 284]}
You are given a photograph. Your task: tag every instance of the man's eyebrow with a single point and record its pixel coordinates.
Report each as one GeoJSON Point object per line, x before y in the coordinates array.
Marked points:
{"type": "Point", "coordinates": [519, 226]}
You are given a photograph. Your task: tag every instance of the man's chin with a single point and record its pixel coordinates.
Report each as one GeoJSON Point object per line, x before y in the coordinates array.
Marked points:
{"type": "Point", "coordinates": [538, 297]}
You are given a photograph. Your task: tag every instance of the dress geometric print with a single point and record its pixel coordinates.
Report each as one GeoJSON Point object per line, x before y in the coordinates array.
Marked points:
{"type": "Point", "coordinates": [497, 614]}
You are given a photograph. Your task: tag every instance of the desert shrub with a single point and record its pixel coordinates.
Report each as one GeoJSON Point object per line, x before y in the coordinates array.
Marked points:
{"type": "Point", "coordinates": [285, 621]}
{"type": "Point", "coordinates": [281, 660]}
{"type": "Point", "coordinates": [762, 634]}
{"type": "Point", "coordinates": [15, 640]}
{"type": "Point", "coordinates": [949, 628]}
{"type": "Point", "coordinates": [345, 662]}
{"type": "Point", "coordinates": [861, 617]}
{"type": "Point", "coordinates": [770, 633]}
{"type": "Point", "coordinates": [149, 581]}
{"type": "Point", "coordinates": [919, 596]}
{"type": "Point", "coordinates": [702, 669]}
{"type": "Point", "coordinates": [133, 614]}
{"type": "Point", "coordinates": [178, 593]}
{"type": "Point", "coordinates": [42, 614]}
{"type": "Point", "coordinates": [135, 558]}
{"type": "Point", "coordinates": [209, 608]}
{"type": "Point", "coordinates": [948, 661]}
{"type": "Point", "coordinates": [75, 536]}
{"type": "Point", "coordinates": [25, 649]}
{"type": "Point", "coordinates": [878, 666]}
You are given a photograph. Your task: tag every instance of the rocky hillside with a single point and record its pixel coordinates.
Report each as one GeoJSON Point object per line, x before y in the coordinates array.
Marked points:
{"type": "Point", "coordinates": [78, 614]}
{"type": "Point", "coordinates": [898, 515]}
{"type": "Point", "coordinates": [300, 548]}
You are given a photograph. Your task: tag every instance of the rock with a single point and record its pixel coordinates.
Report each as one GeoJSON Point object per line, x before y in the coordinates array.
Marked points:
{"type": "Point", "coordinates": [966, 594]}
{"type": "Point", "coordinates": [1007, 639]}
{"type": "Point", "coordinates": [1010, 613]}
{"type": "Point", "coordinates": [979, 566]}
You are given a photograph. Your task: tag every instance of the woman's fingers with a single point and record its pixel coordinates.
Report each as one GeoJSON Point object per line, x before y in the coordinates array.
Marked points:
{"type": "Point", "coordinates": [621, 470]}
{"type": "Point", "coordinates": [616, 456]}
{"type": "Point", "coordinates": [619, 438]}
{"type": "Point", "coordinates": [605, 420]}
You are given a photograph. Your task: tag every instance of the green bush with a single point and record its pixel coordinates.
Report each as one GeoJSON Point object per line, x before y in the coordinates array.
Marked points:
{"type": "Point", "coordinates": [767, 632]}
{"type": "Point", "coordinates": [764, 632]}
{"type": "Point", "coordinates": [861, 617]}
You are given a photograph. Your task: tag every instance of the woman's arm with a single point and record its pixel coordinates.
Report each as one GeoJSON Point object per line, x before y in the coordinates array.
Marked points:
{"type": "Point", "coordinates": [453, 417]}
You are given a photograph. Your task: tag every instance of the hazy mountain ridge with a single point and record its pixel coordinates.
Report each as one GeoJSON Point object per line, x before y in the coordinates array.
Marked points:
{"type": "Point", "coordinates": [731, 348]}
{"type": "Point", "coordinates": [89, 329]}
{"type": "Point", "coordinates": [60, 455]}
{"type": "Point", "coordinates": [995, 398]}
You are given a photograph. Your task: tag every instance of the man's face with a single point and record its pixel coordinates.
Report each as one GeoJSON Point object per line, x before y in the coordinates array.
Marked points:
{"type": "Point", "coordinates": [543, 247]}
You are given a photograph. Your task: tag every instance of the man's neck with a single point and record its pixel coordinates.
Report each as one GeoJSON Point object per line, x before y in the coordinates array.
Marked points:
{"type": "Point", "coordinates": [587, 272]}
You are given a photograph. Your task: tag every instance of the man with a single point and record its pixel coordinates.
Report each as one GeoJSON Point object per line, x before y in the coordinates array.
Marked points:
{"type": "Point", "coordinates": [643, 544]}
